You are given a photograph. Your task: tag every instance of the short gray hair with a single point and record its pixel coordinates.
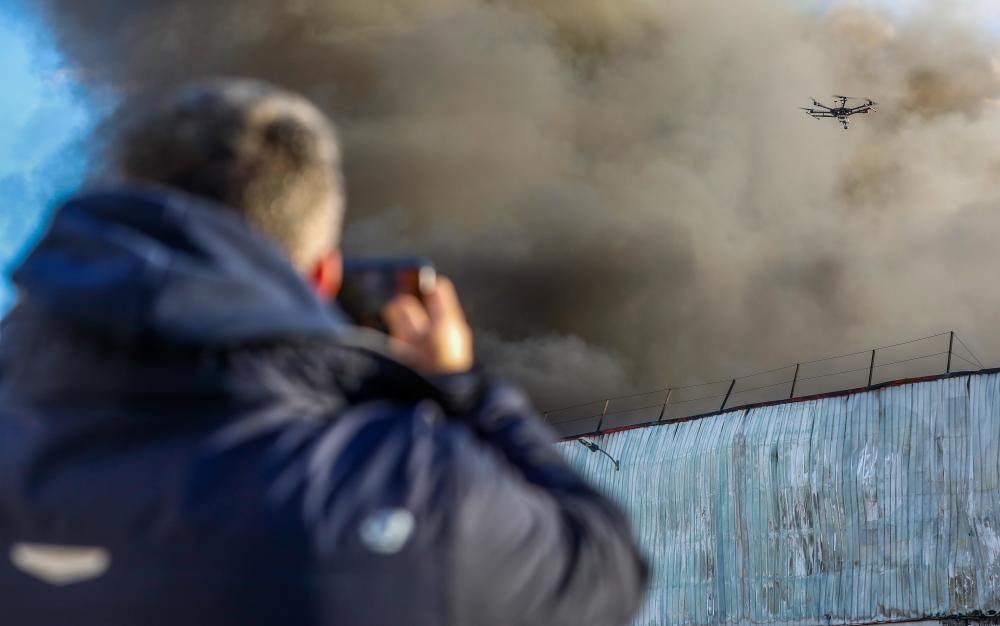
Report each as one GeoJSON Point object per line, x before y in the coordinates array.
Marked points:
{"type": "Point", "coordinates": [268, 154]}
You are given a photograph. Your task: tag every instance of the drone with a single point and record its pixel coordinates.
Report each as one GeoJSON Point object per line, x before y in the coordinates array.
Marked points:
{"type": "Point", "coordinates": [842, 112]}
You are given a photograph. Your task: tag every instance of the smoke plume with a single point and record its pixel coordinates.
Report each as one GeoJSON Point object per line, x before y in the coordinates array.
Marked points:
{"type": "Point", "coordinates": [624, 191]}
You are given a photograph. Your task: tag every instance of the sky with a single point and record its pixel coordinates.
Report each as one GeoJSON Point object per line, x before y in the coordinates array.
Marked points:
{"type": "Point", "coordinates": [982, 11]}
{"type": "Point", "coordinates": [44, 119]}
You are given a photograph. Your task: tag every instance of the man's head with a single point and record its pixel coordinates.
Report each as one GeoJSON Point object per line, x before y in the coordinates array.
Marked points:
{"type": "Point", "coordinates": [267, 154]}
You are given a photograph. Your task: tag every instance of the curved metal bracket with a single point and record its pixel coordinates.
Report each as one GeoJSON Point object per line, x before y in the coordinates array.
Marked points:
{"type": "Point", "coordinates": [593, 447]}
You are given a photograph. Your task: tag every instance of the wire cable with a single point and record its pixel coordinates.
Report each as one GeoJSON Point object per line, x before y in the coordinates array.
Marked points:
{"type": "Point", "coordinates": [859, 369]}
{"type": "Point", "coordinates": [916, 358]}
{"type": "Point", "coordinates": [903, 343]}
{"type": "Point", "coordinates": [971, 353]}
{"type": "Point", "coordinates": [966, 360]}
{"type": "Point", "coordinates": [780, 384]}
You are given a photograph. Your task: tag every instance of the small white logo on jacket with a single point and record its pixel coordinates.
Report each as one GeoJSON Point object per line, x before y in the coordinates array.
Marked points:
{"type": "Point", "coordinates": [386, 531]}
{"type": "Point", "coordinates": [60, 565]}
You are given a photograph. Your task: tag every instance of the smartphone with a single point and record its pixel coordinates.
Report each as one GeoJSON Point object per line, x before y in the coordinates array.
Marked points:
{"type": "Point", "coordinates": [370, 282]}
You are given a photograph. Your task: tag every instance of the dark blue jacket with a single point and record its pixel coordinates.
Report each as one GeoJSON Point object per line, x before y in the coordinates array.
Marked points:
{"type": "Point", "coordinates": [189, 436]}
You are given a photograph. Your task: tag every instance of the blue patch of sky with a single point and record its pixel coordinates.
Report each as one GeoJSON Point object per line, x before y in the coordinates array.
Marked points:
{"type": "Point", "coordinates": [44, 119]}
{"type": "Point", "coordinates": [982, 13]}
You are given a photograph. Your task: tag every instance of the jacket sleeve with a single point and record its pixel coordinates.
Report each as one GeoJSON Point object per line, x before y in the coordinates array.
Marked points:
{"type": "Point", "coordinates": [533, 542]}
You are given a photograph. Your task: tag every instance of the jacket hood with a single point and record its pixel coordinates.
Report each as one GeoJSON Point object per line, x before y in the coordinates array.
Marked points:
{"type": "Point", "coordinates": [155, 264]}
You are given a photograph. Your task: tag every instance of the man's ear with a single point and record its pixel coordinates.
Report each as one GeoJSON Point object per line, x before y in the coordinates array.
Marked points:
{"type": "Point", "coordinates": [327, 275]}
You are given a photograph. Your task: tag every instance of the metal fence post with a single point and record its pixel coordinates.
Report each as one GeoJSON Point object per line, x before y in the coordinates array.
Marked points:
{"type": "Point", "coordinates": [871, 368]}
{"type": "Point", "coordinates": [795, 379]}
{"type": "Point", "coordinates": [603, 413]}
{"type": "Point", "coordinates": [726, 399]}
{"type": "Point", "coordinates": [663, 409]}
{"type": "Point", "coordinates": [951, 344]}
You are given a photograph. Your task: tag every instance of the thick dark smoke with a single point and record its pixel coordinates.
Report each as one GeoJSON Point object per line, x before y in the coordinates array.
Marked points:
{"type": "Point", "coordinates": [624, 190]}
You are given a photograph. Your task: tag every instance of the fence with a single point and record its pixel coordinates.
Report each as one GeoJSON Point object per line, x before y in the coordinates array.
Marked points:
{"type": "Point", "coordinates": [926, 356]}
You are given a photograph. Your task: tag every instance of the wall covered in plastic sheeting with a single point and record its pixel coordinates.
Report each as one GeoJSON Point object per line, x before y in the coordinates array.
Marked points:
{"type": "Point", "coordinates": [875, 506]}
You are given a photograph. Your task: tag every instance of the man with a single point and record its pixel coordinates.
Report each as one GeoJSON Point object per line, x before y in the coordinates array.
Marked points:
{"type": "Point", "coordinates": [189, 435]}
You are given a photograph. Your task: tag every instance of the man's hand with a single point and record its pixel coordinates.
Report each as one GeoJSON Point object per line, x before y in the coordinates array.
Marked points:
{"type": "Point", "coordinates": [432, 336]}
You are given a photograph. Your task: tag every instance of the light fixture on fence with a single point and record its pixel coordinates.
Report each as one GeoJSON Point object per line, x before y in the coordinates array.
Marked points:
{"type": "Point", "coordinates": [593, 447]}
